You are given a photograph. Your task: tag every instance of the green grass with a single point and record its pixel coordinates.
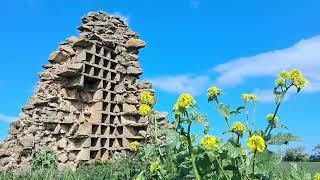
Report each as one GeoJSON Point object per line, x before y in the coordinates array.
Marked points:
{"type": "Point", "coordinates": [310, 167]}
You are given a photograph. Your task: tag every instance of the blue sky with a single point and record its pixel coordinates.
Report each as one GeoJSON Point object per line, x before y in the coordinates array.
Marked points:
{"type": "Point", "coordinates": [192, 44]}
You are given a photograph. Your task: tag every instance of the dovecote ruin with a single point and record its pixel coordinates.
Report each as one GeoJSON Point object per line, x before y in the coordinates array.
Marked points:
{"type": "Point", "coordinates": [85, 105]}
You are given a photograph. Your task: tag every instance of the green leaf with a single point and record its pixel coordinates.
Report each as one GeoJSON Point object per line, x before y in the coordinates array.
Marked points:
{"type": "Point", "coordinates": [282, 138]}
{"type": "Point", "coordinates": [233, 151]}
{"type": "Point", "coordinates": [225, 111]}
{"type": "Point", "coordinates": [281, 126]}
{"type": "Point", "coordinates": [266, 160]}
{"type": "Point", "coordinates": [140, 176]}
{"type": "Point", "coordinates": [202, 120]}
{"type": "Point", "coordinates": [279, 96]}
{"type": "Point", "coordinates": [238, 111]}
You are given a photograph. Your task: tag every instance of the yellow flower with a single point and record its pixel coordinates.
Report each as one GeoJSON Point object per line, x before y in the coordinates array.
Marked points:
{"type": "Point", "coordinates": [296, 77]}
{"type": "Point", "coordinates": [272, 119]}
{"type": "Point", "coordinates": [147, 98]}
{"type": "Point", "coordinates": [213, 92]}
{"type": "Point", "coordinates": [210, 143]}
{"type": "Point", "coordinates": [244, 153]}
{"type": "Point", "coordinates": [249, 97]}
{"type": "Point", "coordinates": [316, 177]}
{"type": "Point", "coordinates": [134, 146]}
{"type": "Point", "coordinates": [185, 101]}
{"type": "Point", "coordinates": [154, 166]}
{"type": "Point", "coordinates": [145, 110]}
{"type": "Point", "coordinates": [256, 143]}
{"type": "Point", "coordinates": [239, 127]}
{"type": "Point", "coordinates": [285, 74]}
{"type": "Point", "coordinates": [281, 81]}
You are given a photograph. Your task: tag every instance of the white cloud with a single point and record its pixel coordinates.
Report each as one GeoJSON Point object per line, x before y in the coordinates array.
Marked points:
{"type": "Point", "coordinates": [194, 85]}
{"type": "Point", "coordinates": [267, 96]}
{"type": "Point", "coordinates": [304, 55]}
{"type": "Point", "coordinates": [125, 18]}
{"type": "Point", "coordinates": [6, 118]}
{"type": "Point", "coordinates": [195, 4]}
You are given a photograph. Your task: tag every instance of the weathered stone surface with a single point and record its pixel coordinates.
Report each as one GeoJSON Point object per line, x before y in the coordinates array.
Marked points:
{"type": "Point", "coordinates": [58, 57]}
{"type": "Point", "coordinates": [134, 70]}
{"type": "Point", "coordinates": [144, 85]}
{"type": "Point", "coordinates": [121, 69]}
{"type": "Point", "coordinates": [129, 108]}
{"type": "Point", "coordinates": [27, 141]}
{"type": "Point", "coordinates": [63, 158]}
{"type": "Point", "coordinates": [87, 94]}
{"type": "Point", "coordinates": [135, 43]}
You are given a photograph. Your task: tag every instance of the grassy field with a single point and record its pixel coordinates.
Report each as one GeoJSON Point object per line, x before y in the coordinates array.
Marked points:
{"type": "Point", "coordinates": [310, 167]}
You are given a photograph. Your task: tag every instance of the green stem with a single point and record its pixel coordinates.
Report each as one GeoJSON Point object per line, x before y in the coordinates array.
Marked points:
{"type": "Point", "coordinates": [238, 165]}
{"type": "Point", "coordinates": [253, 164]}
{"type": "Point", "coordinates": [228, 124]}
{"type": "Point", "coordinates": [193, 158]}
{"type": "Point", "coordinates": [276, 111]}
{"type": "Point", "coordinates": [220, 166]}
{"type": "Point", "coordinates": [253, 115]}
{"type": "Point", "coordinates": [247, 113]}
{"type": "Point", "coordinates": [238, 139]}
{"type": "Point", "coordinates": [161, 174]}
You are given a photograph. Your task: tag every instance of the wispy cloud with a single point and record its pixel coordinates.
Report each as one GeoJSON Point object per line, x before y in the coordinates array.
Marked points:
{"type": "Point", "coordinates": [194, 85]}
{"type": "Point", "coordinates": [194, 4]}
{"type": "Point", "coordinates": [267, 96]}
{"type": "Point", "coordinates": [6, 118]}
{"type": "Point", "coordinates": [125, 18]}
{"type": "Point", "coordinates": [304, 55]}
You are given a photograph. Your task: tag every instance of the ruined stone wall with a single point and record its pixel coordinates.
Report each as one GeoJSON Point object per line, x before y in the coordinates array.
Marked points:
{"type": "Point", "coordinates": [85, 105]}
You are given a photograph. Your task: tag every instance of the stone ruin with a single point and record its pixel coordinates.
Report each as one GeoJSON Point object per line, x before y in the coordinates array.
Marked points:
{"type": "Point", "coordinates": [85, 105]}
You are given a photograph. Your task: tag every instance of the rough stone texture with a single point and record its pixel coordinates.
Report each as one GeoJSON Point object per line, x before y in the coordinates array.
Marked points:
{"type": "Point", "coordinates": [85, 105]}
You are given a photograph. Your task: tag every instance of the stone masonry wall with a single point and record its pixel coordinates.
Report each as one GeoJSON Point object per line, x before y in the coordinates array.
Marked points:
{"type": "Point", "coordinates": [85, 105]}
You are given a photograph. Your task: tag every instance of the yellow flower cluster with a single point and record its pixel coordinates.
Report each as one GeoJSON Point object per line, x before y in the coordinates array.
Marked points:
{"type": "Point", "coordinates": [256, 143]}
{"type": "Point", "coordinates": [244, 153]}
{"type": "Point", "coordinates": [210, 143]}
{"type": "Point", "coordinates": [147, 98]}
{"type": "Point", "coordinates": [238, 127]}
{"type": "Point", "coordinates": [154, 166]}
{"type": "Point", "coordinates": [147, 101]}
{"type": "Point", "coordinates": [249, 97]}
{"type": "Point", "coordinates": [185, 101]}
{"type": "Point", "coordinates": [213, 92]}
{"type": "Point", "coordinates": [281, 82]}
{"type": "Point", "coordinates": [134, 146]}
{"type": "Point", "coordinates": [145, 110]}
{"type": "Point", "coordinates": [295, 76]}
{"type": "Point", "coordinates": [317, 176]}
{"type": "Point", "coordinates": [272, 118]}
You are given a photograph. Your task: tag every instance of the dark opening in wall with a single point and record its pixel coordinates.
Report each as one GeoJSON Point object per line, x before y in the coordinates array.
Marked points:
{"type": "Point", "coordinates": [91, 83]}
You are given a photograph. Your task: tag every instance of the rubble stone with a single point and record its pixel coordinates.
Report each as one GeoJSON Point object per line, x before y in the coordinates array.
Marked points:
{"type": "Point", "coordinates": [85, 105]}
{"type": "Point", "coordinates": [135, 43]}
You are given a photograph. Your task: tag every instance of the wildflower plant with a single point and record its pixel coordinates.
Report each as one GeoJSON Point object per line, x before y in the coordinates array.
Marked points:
{"type": "Point", "coordinates": [134, 146]}
{"type": "Point", "coordinates": [177, 153]}
{"type": "Point", "coordinates": [316, 176]}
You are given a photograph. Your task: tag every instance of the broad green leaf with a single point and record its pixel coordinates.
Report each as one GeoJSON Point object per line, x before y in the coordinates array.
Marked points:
{"type": "Point", "coordinates": [266, 160]}
{"type": "Point", "coordinates": [282, 138]}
